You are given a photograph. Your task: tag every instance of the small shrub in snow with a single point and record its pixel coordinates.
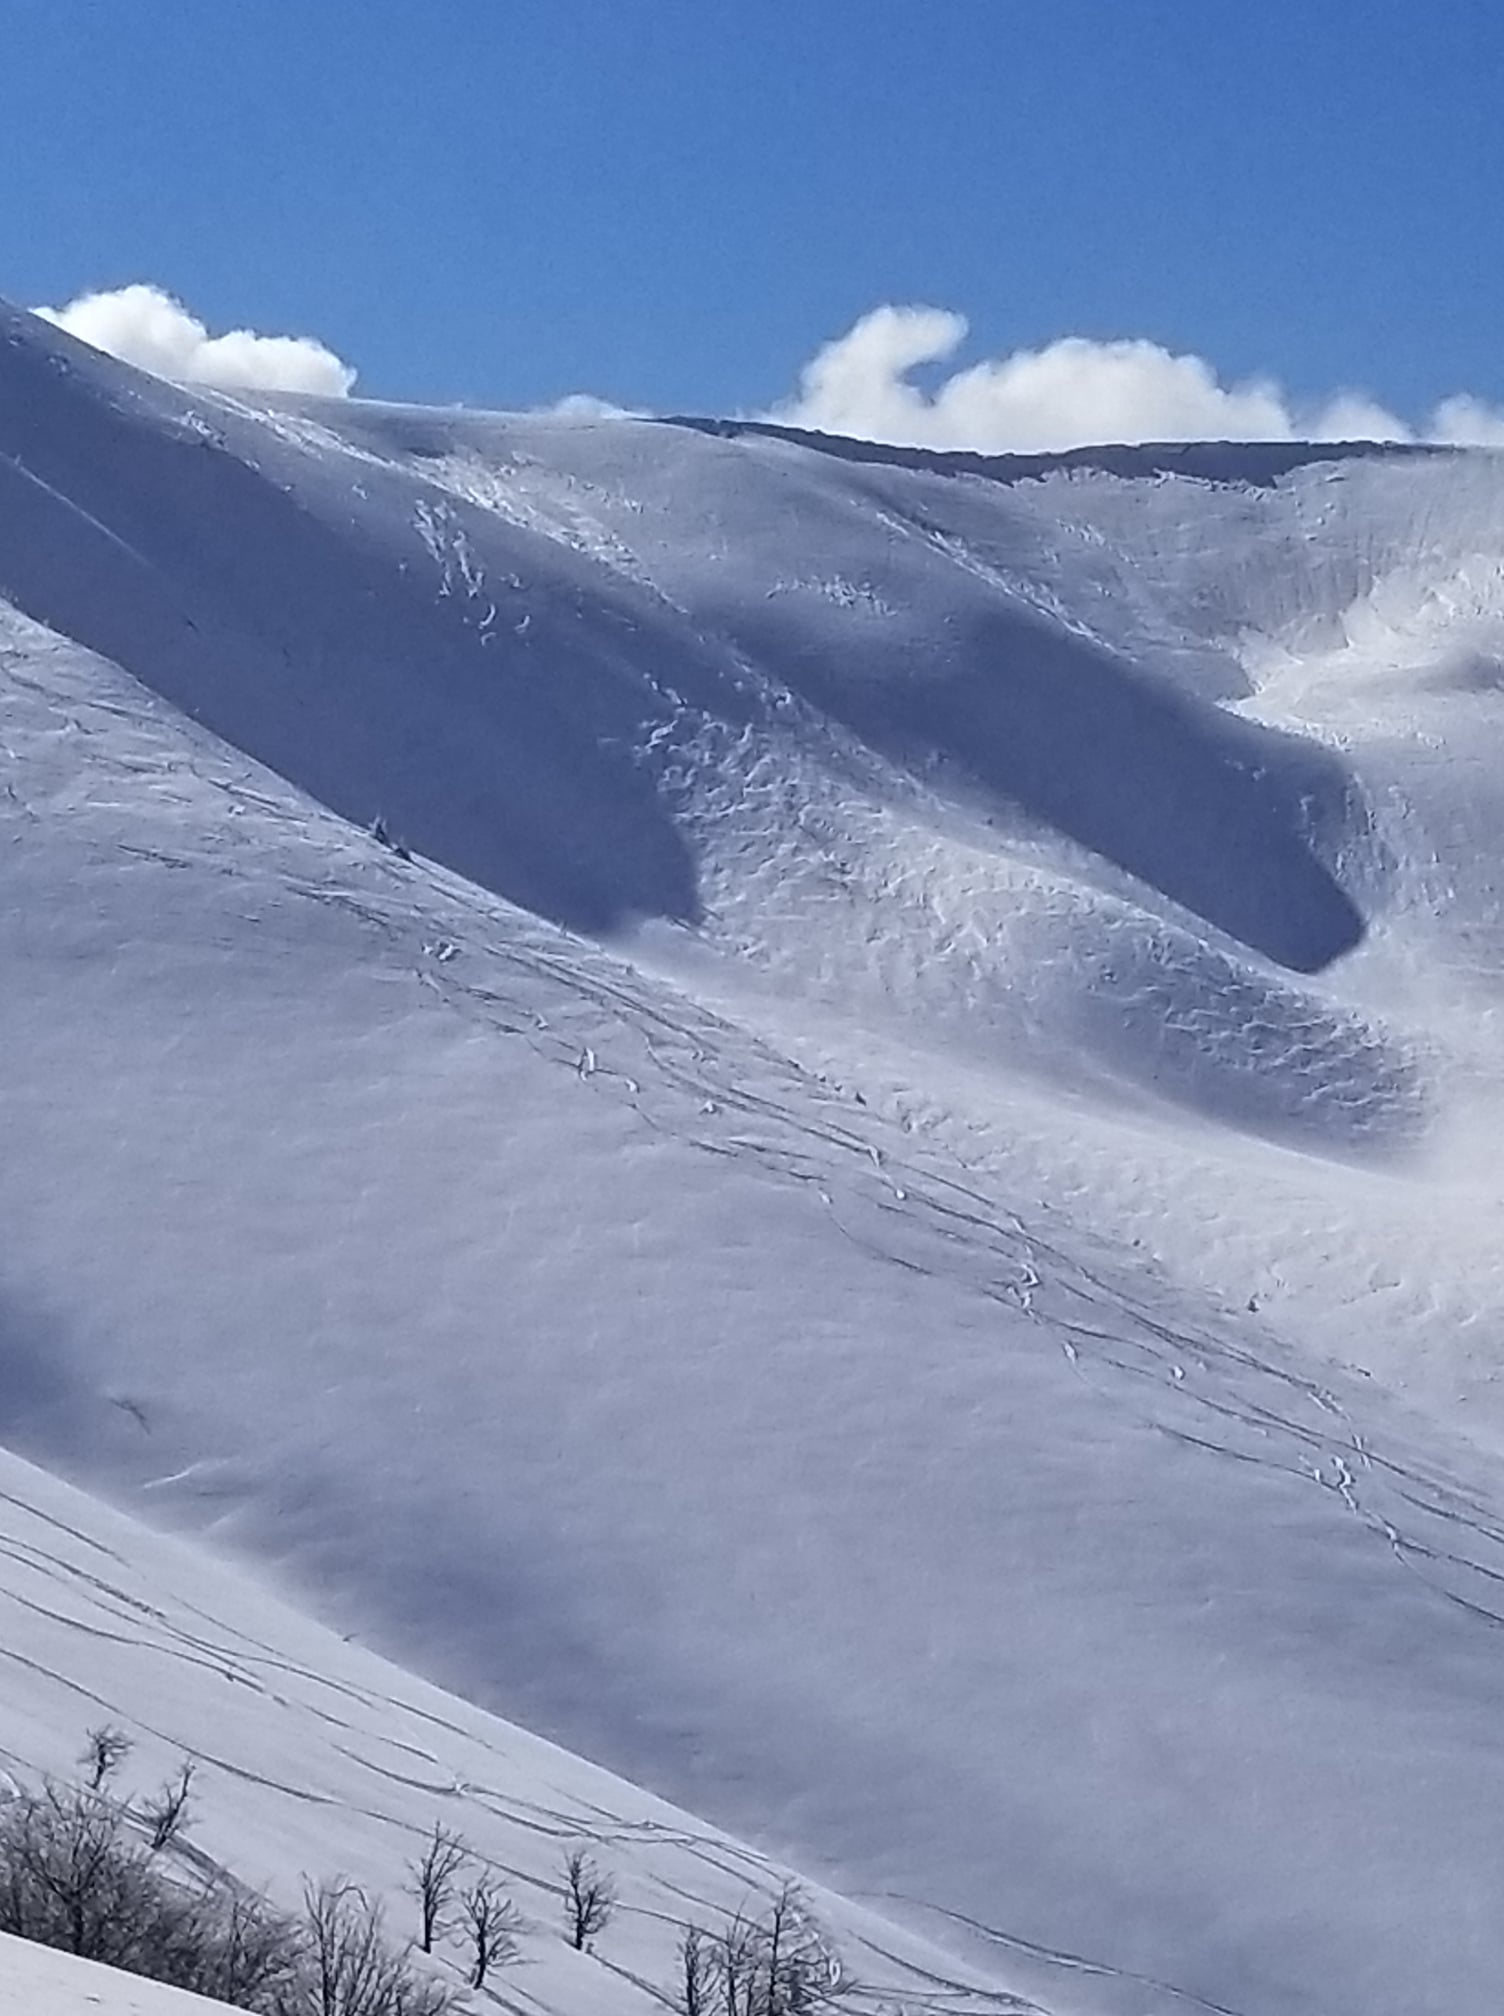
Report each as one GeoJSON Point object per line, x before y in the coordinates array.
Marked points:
{"type": "Point", "coordinates": [166, 1814]}
{"type": "Point", "coordinates": [105, 1750]}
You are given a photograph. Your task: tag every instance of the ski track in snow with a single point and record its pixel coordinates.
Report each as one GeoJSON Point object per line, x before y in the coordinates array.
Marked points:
{"type": "Point", "coordinates": [128, 1592]}
{"type": "Point", "coordinates": [709, 1070]}
{"type": "Point", "coordinates": [1132, 1541]}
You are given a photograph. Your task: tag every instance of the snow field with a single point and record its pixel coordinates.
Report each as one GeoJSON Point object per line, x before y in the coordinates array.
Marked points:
{"type": "Point", "coordinates": [946, 1323]}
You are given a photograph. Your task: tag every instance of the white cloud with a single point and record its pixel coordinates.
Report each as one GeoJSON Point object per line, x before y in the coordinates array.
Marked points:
{"type": "Point", "coordinates": [1074, 392]}
{"type": "Point", "coordinates": [147, 327]}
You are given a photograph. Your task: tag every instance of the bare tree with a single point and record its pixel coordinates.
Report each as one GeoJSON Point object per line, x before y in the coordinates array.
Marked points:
{"type": "Point", "coordinates": [165, 1815]}
{"type": "Point", "coordinates": [792, 1955]}
{"type": "Point", "coordinates": [734, 1967]}
{"type": "Point", "coordinates": [776, 1965]}
{"type": "Point", "coordinates": [71, 1877]}
{"type": "Point", "coordinates": [105, 1750]}
{"type": "Point", "coordinates": [349, 1969]}
{"type": "Point", "coordinates": [696, 1974]}
{"type": "Point", "coordinates": [76, 1874]}
{"type": "Point", "coordinates": [589, 1898]}
{"type": "Point", "coordinates": [495, 1927]}
{"type": "Point", "coordinates": [241, 1951]}
{"type": "Point", "coordinates": [431, 1879]}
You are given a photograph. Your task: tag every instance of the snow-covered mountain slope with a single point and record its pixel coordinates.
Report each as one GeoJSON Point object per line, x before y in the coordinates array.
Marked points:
{"type": "Point", "coordinates": [315, 1757]}
{"type": "Point", "coordinates": [44, 1983]}
{"type": "Point", "coordinates": [958, 1342]}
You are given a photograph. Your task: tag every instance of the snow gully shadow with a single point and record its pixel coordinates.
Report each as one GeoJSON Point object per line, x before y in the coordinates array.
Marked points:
{"type": "Point", "coordinates": [299, 625]}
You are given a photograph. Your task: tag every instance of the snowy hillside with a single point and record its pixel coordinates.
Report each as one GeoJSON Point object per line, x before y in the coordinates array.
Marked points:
{"type": "Point", "coordinates": [315, 1756]}
{"type": "Point", "coordinates": [54, 1984]}
{"type": "Point", "coordinates": [889, 1230]}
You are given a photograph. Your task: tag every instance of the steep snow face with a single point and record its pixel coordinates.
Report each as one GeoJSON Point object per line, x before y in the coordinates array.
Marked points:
{"type": "Point", "coordinates": [558, 1314]}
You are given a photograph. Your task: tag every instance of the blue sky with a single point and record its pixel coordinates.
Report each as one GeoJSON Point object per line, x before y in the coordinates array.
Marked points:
{"type": "Point", "coordinates": [674, 203]}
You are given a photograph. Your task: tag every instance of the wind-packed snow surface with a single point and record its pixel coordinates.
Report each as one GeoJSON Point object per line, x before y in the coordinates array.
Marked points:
{"type": "Point", "coordinates": [43, 1983]}
{"type": "Point", "coordinates": [889, 1229]}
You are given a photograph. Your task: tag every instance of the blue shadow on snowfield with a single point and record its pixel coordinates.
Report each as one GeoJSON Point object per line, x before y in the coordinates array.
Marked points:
{"type": "Point", "coordinates": [997, 703]}
{"type": "Point", "coordinates": [289, 629]}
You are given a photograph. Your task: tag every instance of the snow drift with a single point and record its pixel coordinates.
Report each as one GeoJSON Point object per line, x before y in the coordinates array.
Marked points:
{"type": "Point", "coordinates": [881, 1229]}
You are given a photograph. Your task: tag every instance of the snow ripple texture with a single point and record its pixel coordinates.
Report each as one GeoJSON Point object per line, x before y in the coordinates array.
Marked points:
{"type": "Point", "coordinates": [821, 1121]}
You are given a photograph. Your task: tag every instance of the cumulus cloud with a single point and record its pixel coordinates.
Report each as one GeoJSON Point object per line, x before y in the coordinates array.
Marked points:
{"type": "Point", "coordinates": [1073, 392]}
{"type": "Point", "coordinates": [147, 327]}
{"type": "Point", "coordinates": [1070, 393]}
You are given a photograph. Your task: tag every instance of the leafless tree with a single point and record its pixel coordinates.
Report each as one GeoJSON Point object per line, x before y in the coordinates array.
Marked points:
{"type": "Point", "coordinates": [696, 1974]}
{"type": "Point", "coordinates": [75, 1873]}
{"type": "Point", "coordinates": [240, 1951]}
{"type": "Point", "coordinates": [70, 1876]}
{"type": "Point", "coordinates": [105, 1750]}
{"type": "Point", "coordinates": [165, 1815]}
{"type": "Point", "coordinates": [776, 1965]}
{"type": "Point", "coordinates": [734, 1967]}
{"type": "Point", "coordinates": [431, 1879]}
{"type": "Point", "coordinates": [794, 1964]}
{"type": "Point", "coordinates": [589, 1898]}
{"type": "Point", "coordinates": [349, 1968]}
{"type": "Point", "coordinates": [495, 1927]}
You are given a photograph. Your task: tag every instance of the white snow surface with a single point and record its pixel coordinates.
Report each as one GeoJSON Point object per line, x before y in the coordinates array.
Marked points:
{"type": "Point", "coordinates": [890, 1229]}
{"type": "Point", "coordinates": [39, 1982]}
